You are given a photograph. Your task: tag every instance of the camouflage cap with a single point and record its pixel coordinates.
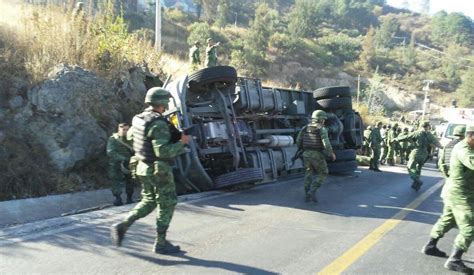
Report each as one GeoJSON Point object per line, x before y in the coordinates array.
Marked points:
{"type": "Point", "coordinates": [459, 130]}
{"type": "Point", "coordinates": [405, 129]}
{"type": "Point", "coordinates": [379, 122]}
{"type": "Point", "coordinates": [425, 123]}
{"type": "Point", "coordinates": [369, 127]}
{"type": "Point", "coordinates": [208, 40]}
{"type": "Point", "coordinates": [319, 114]}
{"type": "Point", "coordinates": [470, 128]}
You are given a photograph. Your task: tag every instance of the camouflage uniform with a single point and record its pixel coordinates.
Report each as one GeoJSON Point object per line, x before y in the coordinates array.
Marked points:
{"type": "Point", "coordinates": [445, 153]}
{"type": "Point", "coordinates": [314, 156]}
{"type": "Point", "coordinates": [195, 57]}
{"type": "Point", "coordinates": [211, 55]}
{"type": "Point", "coordinates": [366, 142]}
{"type": "Point", "coordinates": [156, 144]}
{"type": "Point", "coordinates": [458, 198]}
{"type": "Point", "coordinates": [421, 140]}
{"type": "Point", "coordinates": [392, 144]}
{"type": "Point", "coordinates": [404, 148]}
{"type": "Point", "coordinates": [384, 152]}
{"type": "Point", "coordinates": [375, 140]}
{"type": "Point", "coordinates": [119, 151]}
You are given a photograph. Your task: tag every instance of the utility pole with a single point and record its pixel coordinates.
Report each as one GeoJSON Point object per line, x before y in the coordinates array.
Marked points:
{"type": "Point", "coordinates": [358, 89]}
{"type": "Point", "coordinates": [235, 23]}
{"type": "Point", "coordinates": [426, 88]}
{"type": "Point", "coordinates": [158, 25]}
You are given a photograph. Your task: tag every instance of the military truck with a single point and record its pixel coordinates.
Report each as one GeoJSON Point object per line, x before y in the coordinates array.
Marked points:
{"type": "Point", "coordinates": [244, 132]}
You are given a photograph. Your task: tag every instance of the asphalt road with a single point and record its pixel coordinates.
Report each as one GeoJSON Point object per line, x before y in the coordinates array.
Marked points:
{"type": "Point", "coordinates": [366, 223]}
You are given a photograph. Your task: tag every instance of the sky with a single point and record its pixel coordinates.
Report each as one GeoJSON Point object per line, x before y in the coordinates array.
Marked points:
{"type": "Point", "coordinates": [463, 6]}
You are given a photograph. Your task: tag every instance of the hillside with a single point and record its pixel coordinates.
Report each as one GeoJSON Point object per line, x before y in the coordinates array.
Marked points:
{"type": "Point", "coordinates": [67, 77]}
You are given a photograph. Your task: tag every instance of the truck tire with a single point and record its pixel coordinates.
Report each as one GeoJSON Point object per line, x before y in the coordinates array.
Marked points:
{"type": "Point", "coordinates": [198, 80]}
{"type": "Point", "coordinates": [344, 155]}
{"type": "Point", "coordinates": [342, 167]}
{"type": "Point", "coordinates": [332, 92]}
{"type": "Point", "coordinates": [337, 103]}
{"type": "Point", "coordinates": [244, 175]}
{"type": "Point", "coordinates": [353, 132]}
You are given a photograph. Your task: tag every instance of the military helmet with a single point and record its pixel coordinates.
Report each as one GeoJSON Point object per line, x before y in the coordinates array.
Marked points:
{"type": "Point", "coordinates": [425, 123]}
{"type": "Point", "coordinates": [208, 40]}
{"type": "Point", "coordinates": [157, 95]}
{"type": "Point", "coordinates": [197, 43]}
{"type": "Point", "coordinates": [378, 123]}
{"type": "Point", "coordinates": [470, 128]}
{"type": "Point", "coordinates": [459, 130]}
{"type": "Point", "coordinates": [319, 114]}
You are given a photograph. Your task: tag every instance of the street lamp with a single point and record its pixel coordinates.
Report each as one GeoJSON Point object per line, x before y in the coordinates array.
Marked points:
{"type": "Point", "coordinates": [426, 88]}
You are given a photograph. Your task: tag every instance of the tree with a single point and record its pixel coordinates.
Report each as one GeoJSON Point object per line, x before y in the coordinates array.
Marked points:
{"type": "Point", "coordinates": [452, 62]}
{"type": "Point", "coordinates": [454, 27]}
{"type": "Point", "coordinates": [367, 57]}
{"type": "Point", "coordinates": [410, 52]}
{"type": "Point", "coordinates": [222, 13]}
{"type": "Point", "coordinates": [425, 6]}
{"type": "Point", "coordinates": [386, 32]}
{"type": "Point", "coordinates": [199, 31]}
{"type": "Point", "coordinates": [464, 92]}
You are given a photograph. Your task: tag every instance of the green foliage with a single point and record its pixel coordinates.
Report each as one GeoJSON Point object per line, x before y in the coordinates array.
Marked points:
{"type": "Point", "coordinates": [368, 54]}
{"type": "Point", "coordinates": [465, 90]}
{"type": "Point", "coordinates": [386, 32]}
{"type": "Point", "coordinates": [199, 31]}
{"type": "Point", "coordinates": [453, 27]}
{"type": "Point", "coordinates": [284, 44]}
{"type": "Point", "coordinates": [341, 47]}
{"type": "Point", "coordinates": [409, 57]}
{"type": "Point", "coordinates": [222, 13]}
{"type": "Point", "coordinates": [452, 63]}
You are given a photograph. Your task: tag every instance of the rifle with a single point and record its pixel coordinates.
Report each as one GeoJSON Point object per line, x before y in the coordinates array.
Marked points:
{"type": "Point", "coordinates": [298, 154]}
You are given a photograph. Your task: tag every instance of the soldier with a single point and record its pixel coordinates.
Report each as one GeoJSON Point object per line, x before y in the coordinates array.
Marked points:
{"type": "Point", "coordinates": [195, 56]}
{"type": "Point", "coordinates": [156, 142]}
{"type": "Point", "coordinates": [375, 141]}
{"type": "Point", "coordinates": [384, 133]}
{"type": "Point", "coordinates": [404, 147]}
{"type": "Point", "coordinates": [119, 151]}
{"type": "Point", "coordinates": [365, 145]}
{"type": "Point", "coordinates": [421, 140]}
{"type": "Point", "coordinates": [445, 153]}
{"type": "Point", "coordinates": [458, 199]}
{"type": "Point", "coordinates": [211, 53]}
{"type": "Point", "coordinates": [314, 141]}
{"type": "Point", "coordinates": [392, 144]}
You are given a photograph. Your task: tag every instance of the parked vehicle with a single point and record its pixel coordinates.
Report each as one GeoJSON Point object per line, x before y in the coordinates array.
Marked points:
{"type": "Point", "coordinates": [245, 132]}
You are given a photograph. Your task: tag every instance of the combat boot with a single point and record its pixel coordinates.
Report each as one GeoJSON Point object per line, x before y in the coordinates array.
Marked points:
{"type": "Point", "coordinates": [117, 233]}
{"type": "Point", "coordinates": [307, 197]}
{"type": "Point", "coordinates": [377, 169]}
{"type": "Point", "coordinates": [455, 262]}
{"type": "Point", "coordinates": [312, 197]}
{"type": "Point", "coordinates": [162, 246]}
{"type": "Point", "coordinates": [432, 250]}
{"type": "Point", "coordinates": [118, 200]}
{"type": "Point", "coordinates": [129, 198]}
{"type": "Point", "coordinates": [417, 185]}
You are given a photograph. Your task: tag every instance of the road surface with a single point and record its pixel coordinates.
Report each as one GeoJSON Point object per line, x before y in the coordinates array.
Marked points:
{"type": "Point", "coordinates": [364, 223]}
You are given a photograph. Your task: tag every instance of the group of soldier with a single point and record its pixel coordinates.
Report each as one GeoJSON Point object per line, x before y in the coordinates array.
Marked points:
{"type": "Point", "coordinates": [211, 54]}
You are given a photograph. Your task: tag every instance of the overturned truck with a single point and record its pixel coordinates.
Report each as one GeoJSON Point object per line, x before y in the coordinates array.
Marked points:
{"type": "Point", "coordinates": [245, 132]}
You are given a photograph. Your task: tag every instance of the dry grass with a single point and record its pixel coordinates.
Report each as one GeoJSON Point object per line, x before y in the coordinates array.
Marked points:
{"type": "Point", "coordinates": [45, 36]}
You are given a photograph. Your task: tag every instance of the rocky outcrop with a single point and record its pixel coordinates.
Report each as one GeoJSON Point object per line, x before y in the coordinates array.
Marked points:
{"type": "Point", "coordinates": [72, 113]}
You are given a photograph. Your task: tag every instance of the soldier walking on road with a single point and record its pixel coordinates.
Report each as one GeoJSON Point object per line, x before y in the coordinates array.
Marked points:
{"type": "Point", "coordinates": [195, 56]}
{"type": "Point", "coordinates": [458, 199]}
{"type": "Point", "coordinates": [314, 141]}
{"type": "Point", "coordinates": [384, 132]}
{"type": "Point", "coordinates": [157, 143]}
{"type": "Point", "coordinates": [119, 152]}
{"type": "Point", "coordinates": [375, 141]}
{"type": "Point", "coordinates": [211, 53]}
{"type": "Point", "coordinates": [421, 140]}
{"type": "Point", "coordinates": [445, 153]}
{"type": "Point", "coordinates": [403, 147]}
{"type": "Point", "coordinates": [392, 144]}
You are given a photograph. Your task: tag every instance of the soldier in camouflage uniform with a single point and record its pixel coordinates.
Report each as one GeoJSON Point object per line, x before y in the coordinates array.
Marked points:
{"type": "Point", "coordinates": [458, 210]}
{"type": "Point", "coordinates": [404, 147]}
{"type": "Point", "coordinates": [421, 140]}
{"type": "Point", "coordinates": [211, 53]}
{"type": "Point", "coordinates": [314, 141]}
{"type": "Point", "coordinates": [392, 144]}
{"type": "Point", "coordinates": [365, 145]}
{"type": "Point", "coordinates": [445, 153]}
{"type": "Point", "coordinates": [157, 143]}
{"type": "Point", "coordinates": [195, 56]}
{"type": "Point", "coordinates": [119, 151]}
{"type": "Point", "coordinates": [384, 132]}
{"type": "Point", "coordinates": [375, 141]}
